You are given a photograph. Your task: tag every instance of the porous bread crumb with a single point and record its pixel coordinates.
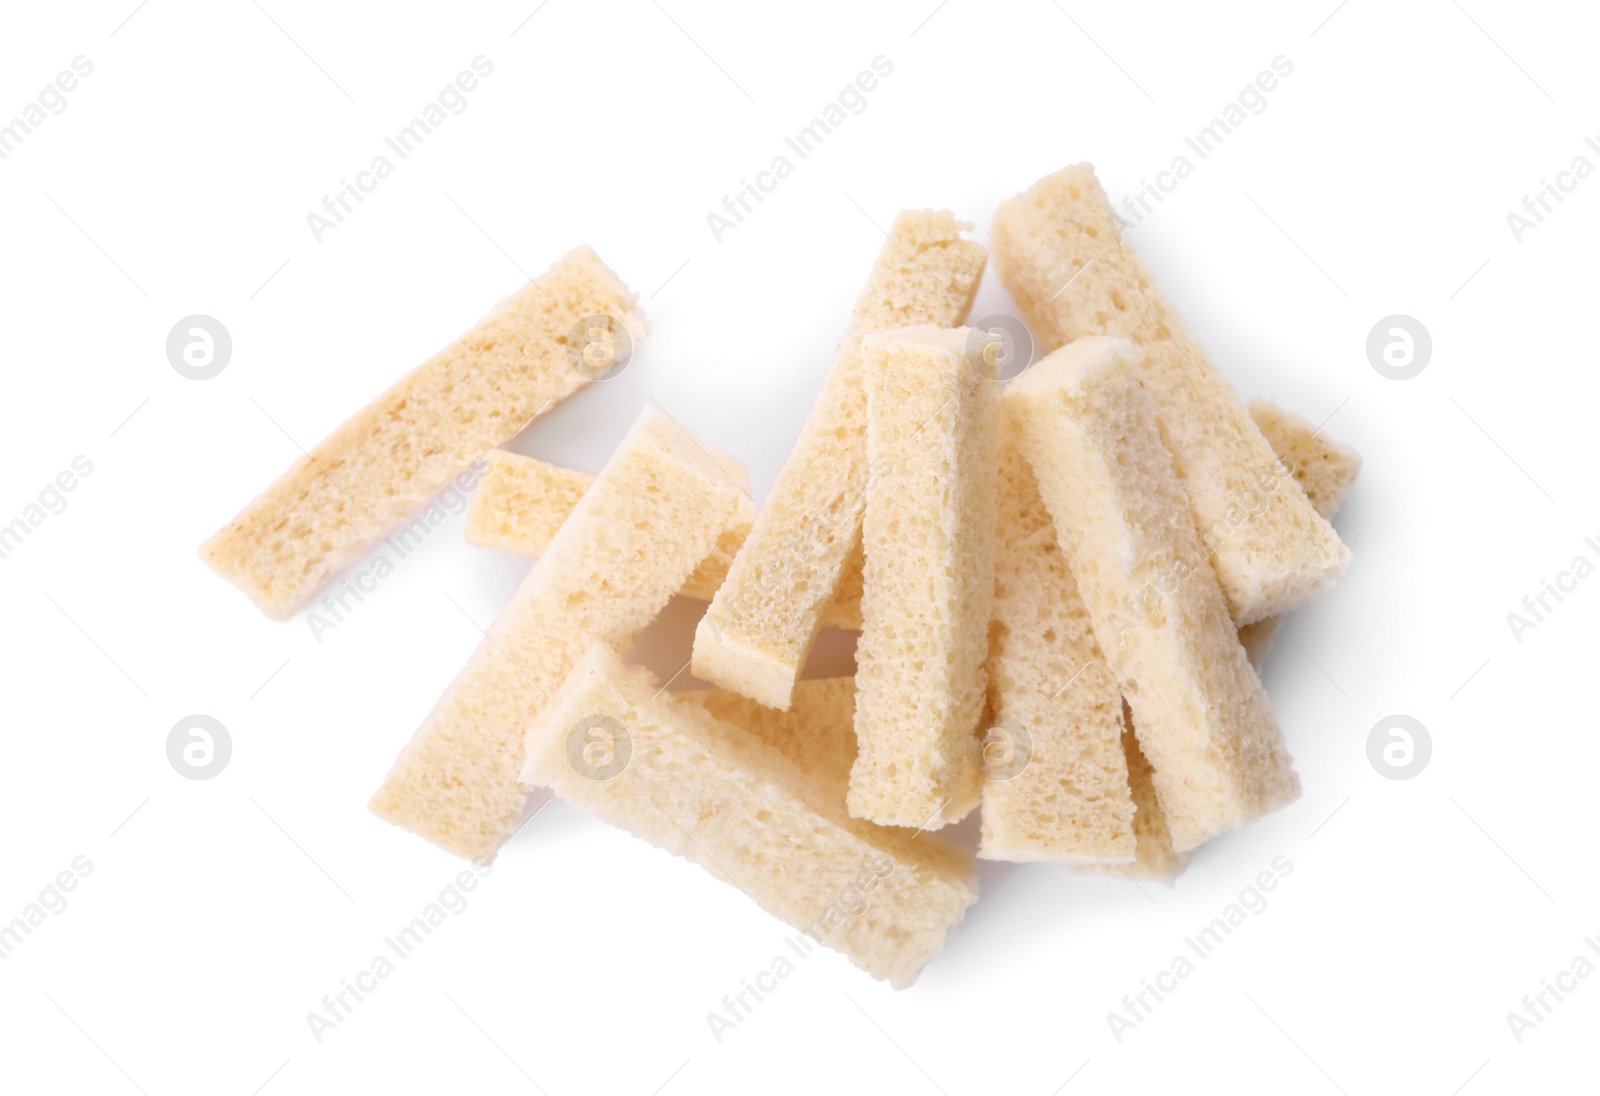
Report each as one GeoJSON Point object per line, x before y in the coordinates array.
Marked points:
{"type": "Point", "coordinates": [521, 503]}
{"type": "Point", "coordinates": [1155, 857]}
{"type": "Point", "coordinates": [716, 795]}
{"type": "Point", "coordinates": [1326, 481]}
{"type": "Point", "coordinates": [817, 732]}
{"type": "Point", "coordinates": [1060, 251]}
{"type": "Point", "coordinates": [928, 537]}
{"type": "Point", "coordinates": [390, 457]}
{"type": "Point", "coordinates": [1061, 793]}
{"type": "Point", "coordinates": [765, 617]}
{"type": "Point", "coordinates": [1325, 470]}
{"type": "Point", "coordinates": [654, 512]}
{"type": "Point", "coordinates": [1088, 428]}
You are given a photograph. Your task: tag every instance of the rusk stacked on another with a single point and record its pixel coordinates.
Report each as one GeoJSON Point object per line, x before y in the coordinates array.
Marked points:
{"type": "Point", "coordinates": [1089, 429]}
{"type": "Point", "coordinates": [765, 617]}
{"type": "Point", "coordinates": [521, 503]}
{"type": "Point", "coordinates": [719, 796]}
{"type": "Point", "coordinates": [1060, 789]}
{"type": "Point", "coordinates": [1060, 251]}
{"type": "Point", "coordinates": [817, 732]}
{"type": "Point", "coordinates": [655, 511]}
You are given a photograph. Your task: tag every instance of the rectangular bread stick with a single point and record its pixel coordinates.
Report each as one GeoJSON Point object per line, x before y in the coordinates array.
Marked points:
{"type": "Point", "coordinates": [765, 617]}
{"type": "Point", "coordinates": [391, 456]}
{"type": "Point", "coordinates": [1060, 252]}
{"type": "Point", "coordinates": [1325, 469]}
{"type": "Point", "coordinates": [655, 511]}
{"type": "Point", "coordinates": [1057, 787]}
{"type": "Point", "coordinates": [1088, 427]}
{"type": "Point", "coordinates": [521, 502]}
{"type": "Point", "coordinates": [669, 772]}
{"type": "Point", "coordinates": [928, 537]}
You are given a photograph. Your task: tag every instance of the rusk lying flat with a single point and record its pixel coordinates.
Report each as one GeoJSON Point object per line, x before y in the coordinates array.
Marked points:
{"type": "Point", "coordinates": [676, 776]}
{"type": "Point", "coordinates": [1057, 788]}
{"type": "Point", "coordinates": [932, 425]}
{"type": "Point", "coordinates": [1088, 428]}
{"type": "Point", "coordinates": [1060, 251]}
{"type": "Point", "coordinates": [384, 462]}
{"type": "Point", "coordinates": [764, 618]}
{"type": "Point", "coordinates": [655, 511]}
{"type": "Point", "coordinates": [521, 503]}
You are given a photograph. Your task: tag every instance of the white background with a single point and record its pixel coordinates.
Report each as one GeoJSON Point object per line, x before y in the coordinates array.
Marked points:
{"type": "Point", "coordinates": [219, 913]}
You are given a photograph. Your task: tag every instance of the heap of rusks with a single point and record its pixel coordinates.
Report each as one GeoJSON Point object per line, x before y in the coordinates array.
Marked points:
{"type": "Point", "coordinates": [1063, 586]}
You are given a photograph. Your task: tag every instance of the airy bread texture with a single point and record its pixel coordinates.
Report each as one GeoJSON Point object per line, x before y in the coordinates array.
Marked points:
{"type": "Point", "coordinates": [521, 503]}
{"type": "Point", "coordinates": [1062, 792]}
{"type": "Point", "coordinates": [1155, 858]}
{"type": "Point", "coordinates": [391, 456]}
{"type": "Point", "coordinates": [764, 618]}
{"type": "Point", "coordinates": [717, 795]}
{"type": "Point", "coordinates": [1324, 469]}
{"type": "Point", "coordinates": [817, 733]}
{"type": "Point", "coordinates": [655, 511]}
{"type": "Point", "coordinates": [1060, 252]}
{"type": "Point", "coordinates": [932, 426]}
{"type": "Point", "coordinates": [1088, 428]}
